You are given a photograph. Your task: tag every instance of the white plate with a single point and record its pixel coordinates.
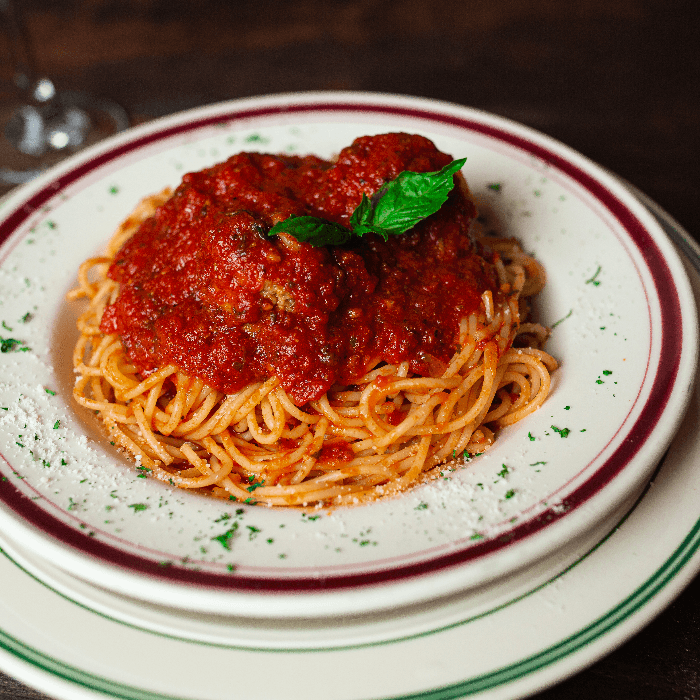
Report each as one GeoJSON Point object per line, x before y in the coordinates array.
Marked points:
{"type": "Point", "coordinates": [521, 644]}
{"type": "Point", "coordinates": [625, 333]}
{"type": "Point", "coordinates": [299, 634]}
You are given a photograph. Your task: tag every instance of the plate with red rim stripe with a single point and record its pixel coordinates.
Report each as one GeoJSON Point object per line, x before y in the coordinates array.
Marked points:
{"type": "Point", "coordinates": [624, 332]}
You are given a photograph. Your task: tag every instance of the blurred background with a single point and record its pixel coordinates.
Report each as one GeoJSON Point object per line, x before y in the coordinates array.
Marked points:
{"type": "Point", "coordinates": [618, 80]}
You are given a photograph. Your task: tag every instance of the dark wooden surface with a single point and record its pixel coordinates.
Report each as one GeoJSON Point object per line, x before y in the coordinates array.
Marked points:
{"type": "Point", "coordinates": [619, 80]}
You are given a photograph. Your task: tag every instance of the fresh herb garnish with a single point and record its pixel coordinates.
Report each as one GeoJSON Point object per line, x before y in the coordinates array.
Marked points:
{"type": "Point", "coordinates": [593, 280]}
{"type": "Point", "coordinates": [395, 208]}
{"type": "Point", "coordinates": [556, 323]}
{"type": "Point", "coordinates": [12, 344]}
{"type": "Point", "coordinates": [225, 538]}
{"type": "Point", "coordinates": [310, 229]}
{"type": "Point", "coordinates": [253, 484]}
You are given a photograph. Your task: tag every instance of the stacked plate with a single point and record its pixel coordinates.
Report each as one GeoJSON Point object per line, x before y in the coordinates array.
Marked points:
{"type": "Point", "coordinates": [498, 579]}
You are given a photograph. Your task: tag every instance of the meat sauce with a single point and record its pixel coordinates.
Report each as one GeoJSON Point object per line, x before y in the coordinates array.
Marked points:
{"type": "Point", "coordinates": [202, 286]}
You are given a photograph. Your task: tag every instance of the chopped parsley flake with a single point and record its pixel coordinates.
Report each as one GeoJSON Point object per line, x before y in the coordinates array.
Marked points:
{"type": "Point", "coordinates": [563, 432]}
{"type": "Point", "coordinates": [12, 345]}
{"type": "Point", "coordinates": [225, 538]}
{"type": "Point", "coordinates": [593, 280]}
{"type": "Point", "coordinates": [504, 471]}
{"type": "Point", "coordinates": [138, 507]}
{"type": "Point", "coordinates": [556, 323]}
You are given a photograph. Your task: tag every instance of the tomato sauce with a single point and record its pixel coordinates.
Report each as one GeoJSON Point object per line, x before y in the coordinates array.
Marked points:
{"type": "Point", "coordinates": [203, 286]}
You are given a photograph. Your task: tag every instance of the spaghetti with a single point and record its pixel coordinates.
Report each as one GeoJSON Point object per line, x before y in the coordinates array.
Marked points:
{"type": "Point", "coordinates": [347, 436]}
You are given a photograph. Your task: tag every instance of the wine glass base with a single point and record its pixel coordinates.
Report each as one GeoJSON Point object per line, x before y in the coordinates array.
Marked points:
{"type": "Point", "coordinates": [105, 118]}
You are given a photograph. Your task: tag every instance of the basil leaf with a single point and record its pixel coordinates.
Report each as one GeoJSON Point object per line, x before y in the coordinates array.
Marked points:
{"type": "Point", "coordinates": [310, 229]}
{"type": "Point", "coordinates": [400, 204]}
{"type": "Point", "coordinates": [395, 208]}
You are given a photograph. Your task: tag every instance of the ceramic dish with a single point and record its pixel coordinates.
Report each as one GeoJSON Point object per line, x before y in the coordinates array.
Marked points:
{"type": "Point", "coordinates": [511, 648]}
{"type": "Point", "coordinates": [329, 632]}
{"type": "Point", "coordinates": [625, 332]}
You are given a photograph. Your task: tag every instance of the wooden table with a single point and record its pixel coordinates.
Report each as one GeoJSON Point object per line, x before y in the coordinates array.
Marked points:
{"type": "Point", "coordinates": [615, 79]}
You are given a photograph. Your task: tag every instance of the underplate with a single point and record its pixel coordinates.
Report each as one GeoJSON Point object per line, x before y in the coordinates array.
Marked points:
{"type": "Point", "coordinates": [525, 642]}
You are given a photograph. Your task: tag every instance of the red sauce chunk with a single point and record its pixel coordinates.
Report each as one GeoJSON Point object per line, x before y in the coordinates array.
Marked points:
{"type": "Point", "coordinates": [202, 286]}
